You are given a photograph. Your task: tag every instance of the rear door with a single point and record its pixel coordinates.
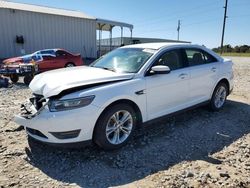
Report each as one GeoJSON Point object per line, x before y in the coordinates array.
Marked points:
{"type": "Point", "coordinates": [203, 74]}
{"type": "Point", "coordinates": [62, 58]}
{"type": "Point", "coordinates": [167, 93]}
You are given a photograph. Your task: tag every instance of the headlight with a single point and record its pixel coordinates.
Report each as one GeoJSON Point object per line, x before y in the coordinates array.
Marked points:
{"type": "Point", "coordinates": [36, 68]}
{"type": "Point", "coordinates": [69, 104]}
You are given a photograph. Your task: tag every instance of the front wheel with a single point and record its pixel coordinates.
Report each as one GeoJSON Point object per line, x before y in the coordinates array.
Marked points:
{"type": "Point", "coordinates": [219, 97]}
{"type": "Point", "coordinates": [27, 79]}
{"type": "Point", "coordinates": [115, 127]}
{"type": "Point", "coordinates": [14, 78]}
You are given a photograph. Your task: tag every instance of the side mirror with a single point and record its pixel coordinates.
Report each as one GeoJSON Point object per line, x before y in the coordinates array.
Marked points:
{"type": "Point", "coordinates": [160, 69]}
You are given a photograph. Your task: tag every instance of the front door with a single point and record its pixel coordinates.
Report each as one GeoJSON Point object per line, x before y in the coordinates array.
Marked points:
{"type": "Point", "coordinates": [48, 62]}
{"type": "Point", "coordinates": [167, 93]}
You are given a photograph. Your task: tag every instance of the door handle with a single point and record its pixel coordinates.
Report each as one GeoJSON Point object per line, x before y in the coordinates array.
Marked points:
{"type": "Point", "coordinates": [214, 69]}
{"type": "Point", "coordinates": [183, 76]}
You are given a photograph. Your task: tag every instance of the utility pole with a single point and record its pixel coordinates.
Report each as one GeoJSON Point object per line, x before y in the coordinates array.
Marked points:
{"type": "Point", "coordinates": [224, 25]}
{"type": "Point", "coordinates": [178, 29]}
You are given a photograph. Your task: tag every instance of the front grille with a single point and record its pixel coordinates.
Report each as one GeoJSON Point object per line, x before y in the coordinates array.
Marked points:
{"type": "Point", "coordinates": [36, 132]}
{"type": "Point", "coordinates": [27, 68]}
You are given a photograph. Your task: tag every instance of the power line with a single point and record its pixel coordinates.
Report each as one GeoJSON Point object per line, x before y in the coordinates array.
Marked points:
{"type": "Point", "coordinates": [173, 16]}
{"type": "Point", "coordinates": [201, 22]}
{"type": "Point", "coordinates": [173, 29]}
{"type": "Point", "coordinates": [178, 11]}
{"type": "Point", "coordinates": [184, 26]}
{"type": "Point", "coordinates": [184, 16]}
{"type": "Point", "coordinates": [240, 16]}
{"type": "Point", "coordinates": [156, 30]}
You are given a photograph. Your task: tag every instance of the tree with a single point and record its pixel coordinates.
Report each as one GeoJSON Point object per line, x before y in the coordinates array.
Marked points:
{"type": "Point", "coordinates": [237, 49]}
{"type": "Point", "coordinates": [244, 48]}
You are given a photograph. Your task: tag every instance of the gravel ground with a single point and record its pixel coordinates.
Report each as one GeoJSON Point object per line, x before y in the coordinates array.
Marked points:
{"type": "Point", "coordinates": [195, 149]}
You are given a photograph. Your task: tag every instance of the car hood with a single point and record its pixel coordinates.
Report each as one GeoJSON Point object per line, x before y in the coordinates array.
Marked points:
{"type": "Point", "coordinates": [52, 83]}
{"type": "Point", "coordinates": [23, 59]}
{"type": "Point", "coordinates": [12, 60]}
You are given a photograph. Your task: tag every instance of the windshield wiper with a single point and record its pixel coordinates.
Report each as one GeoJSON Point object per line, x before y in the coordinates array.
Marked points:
{"type": "Point", "coordinates": [106, 68]}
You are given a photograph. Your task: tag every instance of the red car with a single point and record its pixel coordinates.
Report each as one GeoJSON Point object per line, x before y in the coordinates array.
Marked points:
{"type": "Point", "coordinates": [48, 59]}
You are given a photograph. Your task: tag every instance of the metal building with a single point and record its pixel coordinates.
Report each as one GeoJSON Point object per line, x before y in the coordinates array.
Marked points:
{"type": "Point", "coordinates": [118, 41]}
{"type": "Point", "coordinates": [26, 28]}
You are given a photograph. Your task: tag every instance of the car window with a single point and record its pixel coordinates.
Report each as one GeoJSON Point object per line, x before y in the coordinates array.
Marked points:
{"type": "Point", "coordinates": [127, 60]}
{"type": "Point", "coordinates": [48, 53]}
{"type": "Point", "coordinates": [61, 53]}
{"type": "Point", "coordinates": [172, 59]}
{"type": "Point", "coordinates": [37, 57]}
{"type": "Point", "coordinates": [198, 57]}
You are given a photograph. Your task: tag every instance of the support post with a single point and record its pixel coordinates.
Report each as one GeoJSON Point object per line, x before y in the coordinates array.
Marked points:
{"type": "Point", "coordinates": [121, 36]}
{"type": "Point", "coordinates": [100, 38]}
{"type": "Point", "coordinates": [100, 26]}
{"type": "Point", "coordinates": [224, 25]}
{"type": "Point", "coordinates": [131, 35]}
{"type": "Point", "coordinates": [110, 37]}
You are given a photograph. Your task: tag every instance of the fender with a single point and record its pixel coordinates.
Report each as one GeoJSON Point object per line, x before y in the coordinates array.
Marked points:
{"type": "Point", "coordinates": [211, 94]}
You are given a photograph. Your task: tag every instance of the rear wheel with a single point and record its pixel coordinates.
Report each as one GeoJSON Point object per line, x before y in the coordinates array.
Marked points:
{"type": "Point", "coordinates": [115, 127]}
{"type": "Point", "coordinates": [70, 65]}
{"type": "Point", "coordinates": [14, 78]}
{"type": "Point", "coordinates": [219, 97]}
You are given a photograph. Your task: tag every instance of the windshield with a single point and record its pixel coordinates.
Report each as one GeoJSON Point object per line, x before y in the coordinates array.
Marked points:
{"type": "Point", "coordinates": [127, 60]}
{"type": "Point", "coordinates": [28, 58]}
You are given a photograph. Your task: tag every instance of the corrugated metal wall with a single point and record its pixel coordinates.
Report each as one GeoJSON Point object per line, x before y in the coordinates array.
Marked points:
{"type": "Point", "coordinates": [41, 31]}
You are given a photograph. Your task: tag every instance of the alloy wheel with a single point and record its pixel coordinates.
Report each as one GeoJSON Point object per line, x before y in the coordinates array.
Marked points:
{"type": "Point", "coordinates": [119, 127]}
{"type": "Point", "coordinates": [220, 97]}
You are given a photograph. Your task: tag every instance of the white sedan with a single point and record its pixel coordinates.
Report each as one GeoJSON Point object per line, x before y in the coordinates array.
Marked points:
{"type": "Point", "coordinates": [106, 101]}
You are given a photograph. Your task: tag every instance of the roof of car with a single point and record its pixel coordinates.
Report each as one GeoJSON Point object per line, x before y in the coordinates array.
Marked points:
{"type": "Point", "coordinates": [155, 46]}
{"type": "Point", "coordinates": [51, 49]}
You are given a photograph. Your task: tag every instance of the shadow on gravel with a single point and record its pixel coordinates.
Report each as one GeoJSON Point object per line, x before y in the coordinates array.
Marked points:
{"type": "Point", "coordinates": [193, 135]}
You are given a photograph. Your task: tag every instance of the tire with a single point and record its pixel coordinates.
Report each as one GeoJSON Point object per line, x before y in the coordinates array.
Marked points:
{"type": "Point", "coordinates": [27, 79]}
{"type": "Point", "coordinates": [219, 97]}
{"type": "Point", "coordinates": [14, 78]}
{"type": "Point", "coordinates": [70, 65]}
{"type": "Point", "coordinates": [107, 129]}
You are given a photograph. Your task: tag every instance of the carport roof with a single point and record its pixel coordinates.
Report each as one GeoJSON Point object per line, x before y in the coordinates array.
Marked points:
{"type": "Point", "coordinates": [106, 25]}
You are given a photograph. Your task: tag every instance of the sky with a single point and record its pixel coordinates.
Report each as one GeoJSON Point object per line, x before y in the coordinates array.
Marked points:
{"type": "Point", "coordinates": [201, 20]}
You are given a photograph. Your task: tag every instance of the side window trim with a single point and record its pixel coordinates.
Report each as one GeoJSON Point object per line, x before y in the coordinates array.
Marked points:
{"type": "Point", "coordinates": [203, 52]}
{"type": "Point", "coordinates": [161, 54]}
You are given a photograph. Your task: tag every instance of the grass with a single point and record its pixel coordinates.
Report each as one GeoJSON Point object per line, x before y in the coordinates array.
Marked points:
{"type": "Point", "coordinates": [236, 54]}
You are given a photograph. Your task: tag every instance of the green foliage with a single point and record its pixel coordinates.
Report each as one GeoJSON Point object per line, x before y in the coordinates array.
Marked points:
{"type": "Point", "coordinates": [229, 49]}
{"type": "Point", "coordinates": [235, 54]}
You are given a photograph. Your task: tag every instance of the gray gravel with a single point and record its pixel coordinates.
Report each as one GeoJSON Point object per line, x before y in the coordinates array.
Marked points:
{"type": "Point", "coordinates": [195, 149]}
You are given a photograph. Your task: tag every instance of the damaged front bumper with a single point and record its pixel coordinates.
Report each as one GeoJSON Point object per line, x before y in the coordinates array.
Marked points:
{"type": "Point", "coordinates": [56, 127]}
